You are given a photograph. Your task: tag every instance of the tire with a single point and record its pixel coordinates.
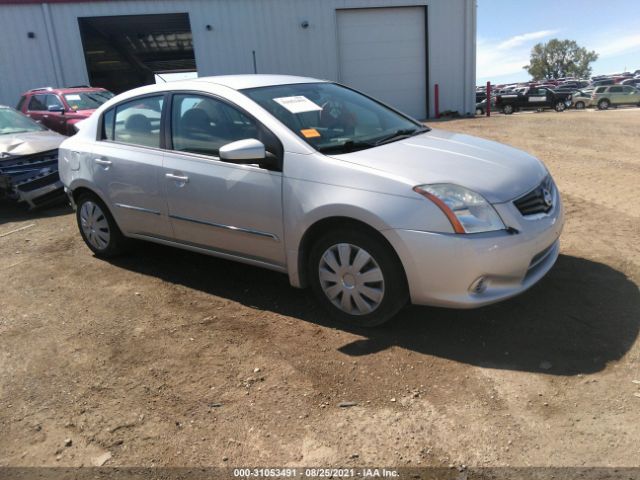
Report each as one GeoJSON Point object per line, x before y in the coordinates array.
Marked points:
{"type": "Point", "coordinates": [560, 107]}
{"type": "Point", "coordinates": [508, 109]}
{"type": "Point", "coordinates": [479, 111]}
{"type": "Point", "coordinates": [335, 263]}
{"type": "Point", "coordinates": [580, 105]}
{"type": "Point", "coordinates": [98, 228]}
{"type": "Point", "coordinates": [604, 104]}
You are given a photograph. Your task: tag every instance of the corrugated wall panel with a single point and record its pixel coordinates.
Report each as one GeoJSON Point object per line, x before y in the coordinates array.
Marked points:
{"type": "Point", "coordinates": [270, 27]}
{"type": "Point", "coordinates": [24, 62]}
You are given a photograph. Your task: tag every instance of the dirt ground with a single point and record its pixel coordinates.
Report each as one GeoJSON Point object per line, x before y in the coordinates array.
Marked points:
{"type": "Point", "coordinates": [167, 358]}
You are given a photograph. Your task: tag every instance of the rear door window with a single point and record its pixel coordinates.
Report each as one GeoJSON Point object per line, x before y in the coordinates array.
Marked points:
{"type": "Point", "coordinates": [38, 103]}
{"type": "Point", "coordinates": [137, 122]}
{"type": "Point", "coordinates": [615, 90]}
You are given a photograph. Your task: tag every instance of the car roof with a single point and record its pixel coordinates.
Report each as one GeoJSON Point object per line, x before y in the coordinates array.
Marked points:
{"type": "Point", "coordinates": [239, 82]}
{"type": "Point", "coordinates": [64, 90]}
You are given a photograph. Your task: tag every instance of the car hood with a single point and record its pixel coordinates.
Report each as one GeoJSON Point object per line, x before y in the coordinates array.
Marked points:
{"type": "Point", "coordinates": [498, 172]}
{"type": "Point", "coordinates": [29, 142]}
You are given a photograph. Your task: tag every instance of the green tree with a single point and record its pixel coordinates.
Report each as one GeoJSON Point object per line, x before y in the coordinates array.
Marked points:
{"type": "Point", "coordinates": [560, 58]}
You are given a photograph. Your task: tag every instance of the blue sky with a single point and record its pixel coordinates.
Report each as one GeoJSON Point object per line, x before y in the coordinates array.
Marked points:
{"type": "Point", "coordinates": [507, 29]}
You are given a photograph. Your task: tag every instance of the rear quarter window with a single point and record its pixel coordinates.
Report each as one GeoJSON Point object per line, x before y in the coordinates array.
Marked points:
{"type": "Point", "coordinates": [21, 103]}
{"type": "Point", "coordinates": [107, 125]}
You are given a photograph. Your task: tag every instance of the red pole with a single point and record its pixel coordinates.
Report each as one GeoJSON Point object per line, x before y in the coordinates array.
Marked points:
{"type": "Point", "coordinates": [488, 99]}
{"type": "Point", "coordinates": [437, 100]}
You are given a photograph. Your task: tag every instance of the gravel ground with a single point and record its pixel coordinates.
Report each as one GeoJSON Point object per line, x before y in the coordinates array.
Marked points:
{"type": "Point", "coordinates": [168, 358]}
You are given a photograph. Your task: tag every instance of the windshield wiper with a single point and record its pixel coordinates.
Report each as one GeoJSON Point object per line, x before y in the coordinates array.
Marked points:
{"type": "Point", "coordinates": [401, 134]}
{"type": "Point", "coordinates": [346, 147]}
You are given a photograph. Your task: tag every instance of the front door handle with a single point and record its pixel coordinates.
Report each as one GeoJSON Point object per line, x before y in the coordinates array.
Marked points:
{"type": "Point", "coordinates": [178, 178]}
{"type": "Point", "coordinates": [104, 163]}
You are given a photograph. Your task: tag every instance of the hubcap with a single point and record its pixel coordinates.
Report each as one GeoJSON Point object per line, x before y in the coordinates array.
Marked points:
{"type": "Point", "coordinates": [94, 225]}
{"type": "Point", "coordinates": [351, 278]}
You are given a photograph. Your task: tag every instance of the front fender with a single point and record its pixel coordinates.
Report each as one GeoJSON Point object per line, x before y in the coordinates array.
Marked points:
{"type": "Point", "coordinates": [306, 203]}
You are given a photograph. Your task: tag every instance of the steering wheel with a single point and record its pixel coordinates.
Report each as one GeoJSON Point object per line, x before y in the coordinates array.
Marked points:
{"type": "Point", "coordinates": [335, 116]}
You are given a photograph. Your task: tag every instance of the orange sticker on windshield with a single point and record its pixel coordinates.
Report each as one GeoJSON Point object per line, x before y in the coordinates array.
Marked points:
{"type": "Point", "coordinates": [310, 133]}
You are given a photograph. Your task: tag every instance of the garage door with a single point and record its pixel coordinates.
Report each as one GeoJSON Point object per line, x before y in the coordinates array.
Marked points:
{"type": "Point", "coordinates": [382, 53]}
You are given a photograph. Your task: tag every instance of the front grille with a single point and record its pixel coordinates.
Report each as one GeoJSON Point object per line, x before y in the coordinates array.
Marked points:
{"type": "Point", "coordinates": [539, 200]}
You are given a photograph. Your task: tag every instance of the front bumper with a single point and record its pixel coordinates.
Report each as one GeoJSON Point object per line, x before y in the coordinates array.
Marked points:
{"type": "Point", "coordinates": [442, 268]}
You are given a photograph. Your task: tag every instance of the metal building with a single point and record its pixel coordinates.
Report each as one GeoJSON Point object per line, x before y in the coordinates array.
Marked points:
{"type": "Point", "coordinates": [394, 50]}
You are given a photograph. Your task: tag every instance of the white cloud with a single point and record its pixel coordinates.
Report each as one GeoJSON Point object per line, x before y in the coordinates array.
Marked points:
{"type": "Point", "coordinates": [619, 46]}
{"type": "Point", "coordinates": [525, 38]}
{"type": "Point", "coordinates": [497, 58]}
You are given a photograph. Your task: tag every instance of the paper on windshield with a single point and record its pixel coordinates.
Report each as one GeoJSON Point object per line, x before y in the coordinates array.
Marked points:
{"type": "Point", "coordinates": [310, 133]}
{"type": "Point", "coordinates": [298, 104]}
{"type": "Point", "coordinates": [72, 97]}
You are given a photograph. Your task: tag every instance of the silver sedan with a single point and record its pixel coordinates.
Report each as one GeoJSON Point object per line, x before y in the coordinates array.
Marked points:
{"type": "Point", "coordinates": [344, 194]}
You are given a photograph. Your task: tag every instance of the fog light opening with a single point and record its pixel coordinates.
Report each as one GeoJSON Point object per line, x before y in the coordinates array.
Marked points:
{"type": "Point", "coordinates": [479, 286]}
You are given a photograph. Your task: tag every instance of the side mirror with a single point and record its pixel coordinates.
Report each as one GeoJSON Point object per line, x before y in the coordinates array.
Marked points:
{"type": "Point", "coordinates": [55, 108]}
{"type": "Point", "coordinates": [244, 151]}
{"type": "Point", "coordinates": [249, 151]}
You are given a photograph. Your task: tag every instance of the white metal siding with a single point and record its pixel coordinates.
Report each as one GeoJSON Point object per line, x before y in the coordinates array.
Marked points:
{"type": "Point", "coordinates": [270, 27]}
{"type": "Point", "coordinates": [382, 53]}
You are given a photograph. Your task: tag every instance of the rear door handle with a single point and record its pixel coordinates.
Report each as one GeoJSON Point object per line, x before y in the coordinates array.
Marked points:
{"type": "Point", "coordinates": [104, 163]}
{"type": "Point", "coordinates": [178, 178]}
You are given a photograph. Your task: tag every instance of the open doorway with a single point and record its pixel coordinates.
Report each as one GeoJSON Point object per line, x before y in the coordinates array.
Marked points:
{"type": "Point", "coordinates": [127, 51]}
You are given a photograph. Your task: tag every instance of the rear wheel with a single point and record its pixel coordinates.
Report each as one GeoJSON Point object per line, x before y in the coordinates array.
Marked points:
{"type": "Point", "coordinates": [98, 228]}
{"type": "Point", "coordinates": [357, 278]}
{"type": "Point", "coordinates": [508, 109]}
{"type": "Point", "coordinates": [560, 107]}
{"type": "Point", "coordinates": [580, 106]}
{"type": "Point", "coordinates": [604, 104]}
{"type": "Point", "coordinates": [479, 111]}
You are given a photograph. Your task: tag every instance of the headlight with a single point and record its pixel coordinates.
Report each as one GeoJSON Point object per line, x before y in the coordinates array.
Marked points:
{"type": "Point", "coordinates": [467, 211]}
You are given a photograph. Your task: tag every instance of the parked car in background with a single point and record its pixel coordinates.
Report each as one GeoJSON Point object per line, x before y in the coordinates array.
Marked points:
{"type": "Point", "coordinates": [481, 107]}
{"type": "Point", "coordinates": [28, 160]}
{"type": "Point", "coordinates": [364, 204]}
{"type": "Point", "coordinates": [581, 99]}
{"type": "Point", "coordinates": [614, 96]}
{"type": "Point", "coordinates": [538, 98]}
{"type": "Point", "coordinates": [632, 82]}
{"type": "Point", "coordinates": [603, 82]}
{"type": "Point", "coordinates": [61, 108]}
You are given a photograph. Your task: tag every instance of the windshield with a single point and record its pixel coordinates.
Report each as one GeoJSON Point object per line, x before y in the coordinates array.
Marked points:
{"type": "Point", "coordinates": [87, 100]}
{"type": "Point", "coordinates": [333, 118]}
{"type": "Point", "coordinates": [14, 122]}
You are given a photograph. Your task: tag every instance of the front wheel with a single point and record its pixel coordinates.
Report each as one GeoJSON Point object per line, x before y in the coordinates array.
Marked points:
{"type": "Point", "coordinates": [560, 107]}
{"type": "Point", "coordinates": [580, 106]}
{"type": "Point", "coordinates": [98, 228]}
{"type": "Point", "coordinates": [357, 278]}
